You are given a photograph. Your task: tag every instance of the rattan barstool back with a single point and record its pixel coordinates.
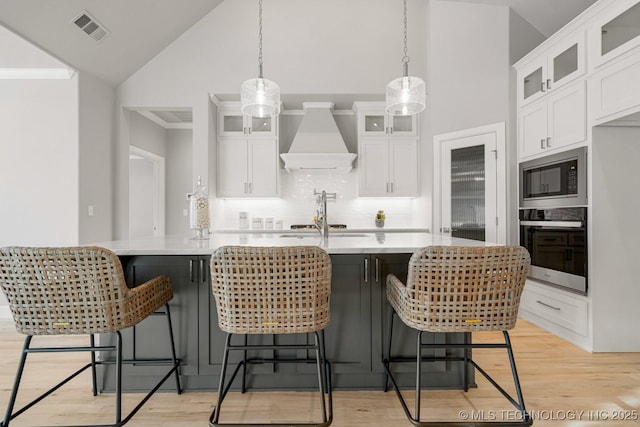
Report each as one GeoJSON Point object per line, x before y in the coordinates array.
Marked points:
{"type": "Point", "coordinates": [271, 290]}
{"type": "Point", "coordinates": [74, 290]}
{"type": "Point", "coordinates": [461, 289]}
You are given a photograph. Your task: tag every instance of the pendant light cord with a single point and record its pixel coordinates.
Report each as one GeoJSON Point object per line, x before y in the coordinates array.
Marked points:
{"type": "Point", "coordinates": [405, 58]}
{"type": "Point", "coordinates": [260, 38]}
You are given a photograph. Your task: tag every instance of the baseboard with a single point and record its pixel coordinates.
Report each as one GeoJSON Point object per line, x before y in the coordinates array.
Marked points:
{"type": "Point", "coordinates": [5, 313]}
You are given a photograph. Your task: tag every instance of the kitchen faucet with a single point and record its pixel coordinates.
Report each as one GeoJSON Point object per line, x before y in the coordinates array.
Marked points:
{"type": "Point", "coordinates": [321, 222]}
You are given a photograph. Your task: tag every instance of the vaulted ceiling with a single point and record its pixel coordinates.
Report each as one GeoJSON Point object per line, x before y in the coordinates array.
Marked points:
{"type": "Point", "coordinates": [140, 29]}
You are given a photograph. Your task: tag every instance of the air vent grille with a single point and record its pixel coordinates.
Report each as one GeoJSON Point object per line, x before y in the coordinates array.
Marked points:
{"type": "Point", "coordinates": [91, 26]}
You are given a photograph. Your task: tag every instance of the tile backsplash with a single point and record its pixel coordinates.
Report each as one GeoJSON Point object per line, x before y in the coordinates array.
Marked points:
{"type": "Point", "coordinates": [297, 204]}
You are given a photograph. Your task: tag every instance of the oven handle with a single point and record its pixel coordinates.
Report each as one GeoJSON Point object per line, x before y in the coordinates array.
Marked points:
{"type": "Point", "coordinates": [565, 224]}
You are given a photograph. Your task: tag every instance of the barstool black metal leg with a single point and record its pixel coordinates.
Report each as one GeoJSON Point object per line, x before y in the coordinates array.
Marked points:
{"type": "Point", "coordinates": [215, 416]}
{"type": "Point", "coordinates": [16, 383]}
{"type": "Point", "coordinates": [387, 357]}
{"type": "Point", "coordinates": [516, 379]}
{"type": "Point", "coordinates": [319, 363]}
{"type": "Point", "coordinates": [465, 375]}
{"type": "Point", "coordinates": [244, 365]}
{"type": "Point", "coordinates": [418, 373]}
{"type": "Point", "coordinates": [94, 380]}
{"type": "Point", "coordinates": [118, 377]}
{"type": "Point", "coordinates": [174, 358]}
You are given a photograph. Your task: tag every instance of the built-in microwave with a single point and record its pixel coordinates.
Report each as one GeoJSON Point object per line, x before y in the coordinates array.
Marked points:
{"type": "Point", "coordinates": [558, 180]}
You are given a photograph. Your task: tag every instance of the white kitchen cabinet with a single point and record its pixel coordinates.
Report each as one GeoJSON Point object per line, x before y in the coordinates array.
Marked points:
{"type": "Point", "coordinates": [373, 120]}
{"type": "Point", "coordinates": [248, 167]}
{"type": "Point", "coordinates": [563, 313]}
{"type": "Point", "coordinates": [560, 64]}
{"type": "Point", "coordinates": [554, 122]}
{"type": "Point", "coordinates": [614, 32]}
{"type": "Point", "coordinates": [388, 167]}
{"type": "Point", "coordinates": [231, 122]}
{"type": "Point", "coordinates": [615, 90]}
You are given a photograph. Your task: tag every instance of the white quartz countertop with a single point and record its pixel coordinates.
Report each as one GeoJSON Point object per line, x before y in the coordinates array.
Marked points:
{"type": "Point", "coordinates": [339, 242]}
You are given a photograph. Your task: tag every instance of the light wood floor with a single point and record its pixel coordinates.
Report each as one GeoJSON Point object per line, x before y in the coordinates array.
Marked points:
{"type": "Point", "coordinates": [563, 386]}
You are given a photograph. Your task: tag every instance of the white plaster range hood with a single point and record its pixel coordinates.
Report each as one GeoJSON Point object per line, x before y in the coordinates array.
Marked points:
{"type": "Point", "coordinates": [318, 144]}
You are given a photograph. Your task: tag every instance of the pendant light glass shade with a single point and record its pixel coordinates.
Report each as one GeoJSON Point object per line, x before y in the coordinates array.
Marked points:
{"type": "Point", "coordinates": [260, 97]}
{"type": "Point", "coordinates": [406, 95]}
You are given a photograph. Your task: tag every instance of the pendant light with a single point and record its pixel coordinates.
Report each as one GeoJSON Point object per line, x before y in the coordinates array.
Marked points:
{"type": "Point", "coordinates": [260, 97]}
{"type": "Point", "coordinates": [406, 95]}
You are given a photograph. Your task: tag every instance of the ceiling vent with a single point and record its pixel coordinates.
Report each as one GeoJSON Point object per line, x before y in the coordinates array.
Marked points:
{"type": "Point", "coordinates": [91, 26]}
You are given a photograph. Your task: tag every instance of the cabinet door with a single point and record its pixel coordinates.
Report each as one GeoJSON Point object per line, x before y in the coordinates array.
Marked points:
{"type": "Point", "coordinates": [263, 166]}
{"type": "Point", "coordinates": [403, 125]}
{"type": "Point", "coordinates": [403, 167]}
{"type": "Point", "coordinates": [373, 124]}
{"type": "Point", "coordinates": [232, 167]}
{"type": "Point", "coordinates": [532, 81]}
{"type": "Point", "coordinates": [532, 129]}
{"type": "Point", "coordinates": [373, 176]}
{"type": "Point", "coordinates": [348, 337]}
{"type": "Point", "coordinates": [149, 339]}
{"type": "Point", "coordinates": [261, 126]}
{"type": "Point", "coordinates": [566, 61]}
{"type": "Point", "coordinates": [231, 123]}
{"type": "Point", "coordinates": [567, 116]}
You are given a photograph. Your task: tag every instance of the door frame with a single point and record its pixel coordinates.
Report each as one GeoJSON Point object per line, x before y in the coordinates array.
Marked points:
{"type": "Point", "coordinates": [498, 129]}
{"type": "Point", "coordinates": [159, 163]}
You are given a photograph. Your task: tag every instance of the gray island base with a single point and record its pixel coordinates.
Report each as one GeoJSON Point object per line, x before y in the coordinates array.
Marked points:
{"type": "Point", "coordinates": [354, 338]}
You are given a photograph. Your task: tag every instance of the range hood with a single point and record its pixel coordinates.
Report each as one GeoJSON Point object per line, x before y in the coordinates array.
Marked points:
{"type": "Point", "coordinates": [318, 145]}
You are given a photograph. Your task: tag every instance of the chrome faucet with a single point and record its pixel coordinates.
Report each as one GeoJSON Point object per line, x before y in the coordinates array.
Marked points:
{"type": "Point", "coordinates": [321, 221]}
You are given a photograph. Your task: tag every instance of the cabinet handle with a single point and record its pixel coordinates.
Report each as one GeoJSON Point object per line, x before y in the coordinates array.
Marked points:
{"type": "Point", "coordinates": [377, 270]}
{"type": "Point", "coordinates": [366, 270]}
{"type": "Point", "coordinates": [542, 87]}
{"type": "Point", "coordinates": [549, 142]}
{"type": "Point", "coordinates": [548, 83]}
{"type": "Point", "coordinates": [547, 305]}
{"type": "Point", "coordinates": [201, 272]}
{"type": "Point", "coordinates": [191, 270]}
{"type": "Point", "coordinates": [245, 188]}
{"type": "Point", "coordinates": [391, 185]}
{"type": "Point", "coordinates": [542, 143]}
{"type": "Point", "coordinates": [250, 188]}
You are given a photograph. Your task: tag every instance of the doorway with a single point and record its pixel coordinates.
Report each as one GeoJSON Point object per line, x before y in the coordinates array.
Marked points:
{"type": "Point", "coordinates": [146, 194]}
{"type": "Point", "coordinates": [470, 184]}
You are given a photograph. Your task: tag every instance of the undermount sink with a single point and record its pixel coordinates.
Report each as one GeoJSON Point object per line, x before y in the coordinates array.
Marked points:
{"type": "Point", "coordinates": [317, 236]}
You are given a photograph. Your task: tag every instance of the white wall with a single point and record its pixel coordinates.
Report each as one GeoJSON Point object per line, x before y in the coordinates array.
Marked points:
{"type": "Point", "coordinates": [614, 284]}
{"type": "Point", "coordinates": [96, 165]}
{"type": "Point", "coordinates": [179, 183]}
{"type": "Point", "coordinates": [39, 162]}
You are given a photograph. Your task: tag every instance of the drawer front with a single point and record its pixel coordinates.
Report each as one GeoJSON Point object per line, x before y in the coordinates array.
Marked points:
{"type": "Point", "coordinates": [564, 310]}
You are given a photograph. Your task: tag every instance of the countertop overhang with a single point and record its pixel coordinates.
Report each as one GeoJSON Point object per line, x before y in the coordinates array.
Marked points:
{"type": "Point", "coordinates": [339, 242]}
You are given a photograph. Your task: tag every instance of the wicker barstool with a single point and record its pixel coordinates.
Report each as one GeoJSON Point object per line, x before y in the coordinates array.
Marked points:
{"type": "Point", "coordinates": [273, 290]}
{"type": "Point", "coordinates": [459, 289]}
{"type": "Point", "coordinates": [77, 291]}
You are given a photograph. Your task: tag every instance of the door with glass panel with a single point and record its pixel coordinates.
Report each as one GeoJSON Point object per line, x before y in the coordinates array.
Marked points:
{"type": "Point", "coordinates": [470, 187]}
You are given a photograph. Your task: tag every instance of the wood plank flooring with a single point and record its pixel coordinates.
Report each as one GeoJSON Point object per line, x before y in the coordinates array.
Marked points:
{"type": "Point", "coordinates": [563, 386]}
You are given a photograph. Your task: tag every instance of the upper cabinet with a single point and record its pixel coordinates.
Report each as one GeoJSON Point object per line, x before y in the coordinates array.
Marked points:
{"type": "Point", "coordinates": [387, 152]}
{"type": "Point", "coordinates": [547, 72]}
{"type": "Point", "coordinates": [248, 162]}
{"type": "Point", "coordinates": [231, 122]}
{"type": "Point", "coordinates": [614, 32]}
{"type": "Point", "coordinates": [373, 120]}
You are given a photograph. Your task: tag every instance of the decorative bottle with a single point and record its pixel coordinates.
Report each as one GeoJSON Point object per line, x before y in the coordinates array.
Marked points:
{"type": "Point", "coordinates": [199, 211]}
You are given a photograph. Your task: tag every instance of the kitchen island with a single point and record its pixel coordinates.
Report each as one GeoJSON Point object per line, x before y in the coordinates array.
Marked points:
{"type": "Point", "coordinates": [354, 338]}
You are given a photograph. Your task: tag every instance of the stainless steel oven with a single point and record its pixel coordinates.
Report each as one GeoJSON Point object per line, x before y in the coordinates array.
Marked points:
{"type": "Point", "coordinates": [557, 180]}
{"type": "Point", "coordinates": [556, 239]}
